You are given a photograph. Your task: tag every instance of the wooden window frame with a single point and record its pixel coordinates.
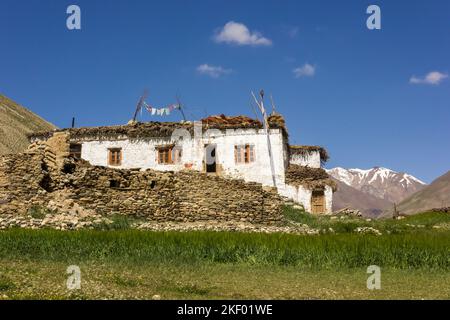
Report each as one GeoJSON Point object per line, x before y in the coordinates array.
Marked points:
{"type": "Point", "coordinates": [167, 155]}
{"type": "Point", "coordinates": [244, 153]}
{"type": "Point", "coordinates": [75, 154]}
{"type": "Point", "coordinates": [115, 156]}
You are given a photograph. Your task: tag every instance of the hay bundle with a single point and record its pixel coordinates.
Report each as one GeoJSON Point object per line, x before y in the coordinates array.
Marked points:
{"type": "Point", "coordinates": [234, 121]}
{"type": "Point", "coordinates": [276, 120]}
{"type": "Point", "coordinates": [306, 150]}
{"type": "Point", "coordinates": [312, 178]}
{"type": "Point", "coordinates": [138, 130]}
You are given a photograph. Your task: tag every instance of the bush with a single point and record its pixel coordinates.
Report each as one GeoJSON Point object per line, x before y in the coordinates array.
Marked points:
{"type": "Point", "coordinates": [38, 212]}
{"type": "Point", "coordinates": [6, 284]}
{"type": "Point", "coordinates": [119, 222]}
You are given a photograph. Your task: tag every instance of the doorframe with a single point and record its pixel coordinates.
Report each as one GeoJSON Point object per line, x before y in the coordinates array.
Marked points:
{"type": "Point", "coordinates": [206, 145]}
{"type": "Point", "coordinates": [324, 203]}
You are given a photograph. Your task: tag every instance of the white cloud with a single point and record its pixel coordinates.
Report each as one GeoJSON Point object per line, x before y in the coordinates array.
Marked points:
{"type": "Point", "coordinates": [212, 71]}
{"type": "Point", "coordinates": [306, 70]}
{"type": "Point", "coordinates": [238, 33]}
{"type": "Point", "coordinates": [434, 78]}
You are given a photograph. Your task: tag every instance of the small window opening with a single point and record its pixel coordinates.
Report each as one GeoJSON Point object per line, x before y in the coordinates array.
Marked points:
{"type": "Point", "coordinates": [69, 168]}
{"type": "Point", "coordinates": [114, 183]}
{"type": "Point", "coordinates": [75, 150]}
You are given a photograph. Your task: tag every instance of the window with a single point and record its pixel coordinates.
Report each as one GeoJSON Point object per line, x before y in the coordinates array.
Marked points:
{"type": "Point", "coordinates": [75, 150]}
{"type": "Point", "coordinates": [244, 153]}
{"type": "Point", "coordinates": [115, 157]}
{"type": "Point", "coordinates": [169, 154]}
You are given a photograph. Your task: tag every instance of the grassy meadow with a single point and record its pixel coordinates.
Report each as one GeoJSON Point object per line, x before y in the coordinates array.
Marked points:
{"type": "Point", "coordinates": [413, 254]}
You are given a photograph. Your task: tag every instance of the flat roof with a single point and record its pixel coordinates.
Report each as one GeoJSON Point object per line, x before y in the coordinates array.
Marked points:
{"type": "Point", "coordinates": [161, 129]}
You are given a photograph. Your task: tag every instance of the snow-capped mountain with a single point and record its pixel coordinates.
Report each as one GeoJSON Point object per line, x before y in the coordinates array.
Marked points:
{"type": "Point", "coordinates": [380, 182]}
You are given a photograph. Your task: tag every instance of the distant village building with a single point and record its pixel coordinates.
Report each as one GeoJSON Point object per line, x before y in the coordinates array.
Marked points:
{"type": "Point", "coordinates": [238, 146]}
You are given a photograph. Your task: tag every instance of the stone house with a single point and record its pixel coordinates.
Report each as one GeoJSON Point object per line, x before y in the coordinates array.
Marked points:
{"type": "Point", "coordinates": [235, 147]}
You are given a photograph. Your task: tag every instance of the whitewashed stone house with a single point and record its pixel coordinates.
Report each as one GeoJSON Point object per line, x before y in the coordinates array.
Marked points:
{"type": "Point", "coordinates": [233, 147]}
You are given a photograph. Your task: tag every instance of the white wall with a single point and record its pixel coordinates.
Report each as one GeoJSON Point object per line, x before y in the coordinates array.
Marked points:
{"type": "Point", "coordinates": [142, 153]}
{"type": "Point", "coordinates": [310, 159]}
{"type": "Point", "coordinates": [329, 199]}
{"type": "Point", "coordinates": [135, 153]}
{"type": "Point", "coordinates": [302, 195]}
{"type": "Point", "coordinates": [259, 170]}
{"type": "Point", "coordinates": [298, 194]}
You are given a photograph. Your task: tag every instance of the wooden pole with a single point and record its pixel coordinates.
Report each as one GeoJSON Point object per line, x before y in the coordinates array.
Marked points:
{"type": "Point", "coordinates": [267, 131]}
{"type": "Point", "coordinates": [181, 109]}
{"type": "Point", "coordinates": [139, 104]}
{"type": "Point", "coordinates": [273, 104]}
{"type": "Point", "coordinates": [138, 107]}
{"type": "Point", "coordinates": [395, 211]}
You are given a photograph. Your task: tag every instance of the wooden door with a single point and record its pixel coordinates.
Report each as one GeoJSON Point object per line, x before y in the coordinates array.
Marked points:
{"type": "Point", "coordinates": [318, 201]}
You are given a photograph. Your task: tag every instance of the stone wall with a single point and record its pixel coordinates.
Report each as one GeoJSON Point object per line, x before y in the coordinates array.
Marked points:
{"type": "Point", "coordinates": [170, 196]}
{"type": "Point", "coordinates": [23, 178]}
{"type": "Point", "coordinates": [27, 180]}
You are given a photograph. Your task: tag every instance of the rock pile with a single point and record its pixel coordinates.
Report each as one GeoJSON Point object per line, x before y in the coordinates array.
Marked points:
{"type": "Point", "coordinates": [227, 226]}
{"type": "Point", "coordinates": [306, 176]}
{"type": "Point", "coordinates": [349, 212]}
{"type": "Point", "coordinates": [442, 210]}
{"type": "Point", "coordinates": [368, 230]}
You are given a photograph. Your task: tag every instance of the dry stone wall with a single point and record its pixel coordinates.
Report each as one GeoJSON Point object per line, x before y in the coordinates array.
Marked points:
{"type": "Point", "coordinates": [170, 196]}
{"type": "Point", "coordinates": [32, 179]}
{"type": "Point", "coordinates": [23, 178]}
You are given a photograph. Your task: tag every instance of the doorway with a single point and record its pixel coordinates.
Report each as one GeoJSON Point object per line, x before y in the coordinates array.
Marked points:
{"type": "Point", "coordinates": [210, 158]}
{"type": "Point", "coordinates": [318, 201]}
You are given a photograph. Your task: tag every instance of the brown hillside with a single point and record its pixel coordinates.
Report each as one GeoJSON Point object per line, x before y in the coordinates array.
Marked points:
{"type": "Point", "coordinates": [16, 122]}
{"type": "Point", "coordinates": [349, 197]}
{"type": "Point", "coordinates": [436, 195]}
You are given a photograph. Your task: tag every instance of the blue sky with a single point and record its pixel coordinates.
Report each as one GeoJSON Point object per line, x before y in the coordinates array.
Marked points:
{"type": "Point", "coordinates": [369, 96]}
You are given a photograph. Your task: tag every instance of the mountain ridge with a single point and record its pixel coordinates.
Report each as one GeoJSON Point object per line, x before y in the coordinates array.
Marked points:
{"type": "Point", "coordinates": [435, 195]}
{"type": "Point", "coordinates": [379, 182]}
{"type": "Point", "coordinates": [349, 197]}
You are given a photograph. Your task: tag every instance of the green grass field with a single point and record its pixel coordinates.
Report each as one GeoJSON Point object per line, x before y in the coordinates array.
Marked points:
{"type": "Point", "coordinates": [414, 257]}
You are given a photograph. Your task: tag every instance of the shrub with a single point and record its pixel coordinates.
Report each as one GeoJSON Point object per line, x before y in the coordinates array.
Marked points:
{"type": "Point", "coordinates": [38, 212]}
{"type": "Point", "coordinates": [119, 222]}
{"type": "Point", "coordinates": [6, 284]}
